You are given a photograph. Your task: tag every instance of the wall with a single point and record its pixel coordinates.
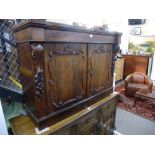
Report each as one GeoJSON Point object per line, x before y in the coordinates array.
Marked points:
{"type": "Point", "coordinates": [120, 25]}
{"type": "Point", "coordinates": [147, 32]}
{"type": "Point", "coordinates": [147, 35]}
{"type": "Point", "coordinates": [153, 70]}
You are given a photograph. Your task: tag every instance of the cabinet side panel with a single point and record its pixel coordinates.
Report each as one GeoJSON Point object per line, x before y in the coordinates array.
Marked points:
{"type": "Point", "coordinates": [26, 75]}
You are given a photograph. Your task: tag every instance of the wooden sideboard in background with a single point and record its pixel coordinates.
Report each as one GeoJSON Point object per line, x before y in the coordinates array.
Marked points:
{"type": "Point", "coordinates": [137, 63]}
{"type": "Point", "coordinates": [119, 67]}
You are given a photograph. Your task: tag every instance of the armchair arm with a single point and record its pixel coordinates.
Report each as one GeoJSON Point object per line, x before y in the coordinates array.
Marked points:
{"type": "Point", "coordinates": [128, 79]}
{"type": "Point", "coordinates": [149, 82]}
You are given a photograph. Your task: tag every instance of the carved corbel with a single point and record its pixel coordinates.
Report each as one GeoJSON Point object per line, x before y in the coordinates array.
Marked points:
{"type": "Point", "coordinates": [116, 49]}
{"type": "Point", "coordinates": [35, 49]}
{"type": "Point", "coordinates": [37, 56]}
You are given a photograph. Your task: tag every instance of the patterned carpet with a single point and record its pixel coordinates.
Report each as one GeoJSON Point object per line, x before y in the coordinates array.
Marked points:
{"type": "Point", "coordinates": [143, 108]}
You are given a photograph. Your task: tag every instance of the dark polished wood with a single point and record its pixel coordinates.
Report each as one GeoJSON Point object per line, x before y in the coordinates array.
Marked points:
{"type": "Point", "coordinates": [135, 63]}
{"type": "Point", "coordinates": [64, 68]}
{"type": "Point", "coordinates": [97, 119]}
{"type": "Point", "coordinates": [99, 78]}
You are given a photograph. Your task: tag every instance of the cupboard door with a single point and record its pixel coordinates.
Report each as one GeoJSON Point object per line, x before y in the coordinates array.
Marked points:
{"type": "Point", "coordinates": [66, 74]}
{"type": "Point", "coordinates": [99, 68]}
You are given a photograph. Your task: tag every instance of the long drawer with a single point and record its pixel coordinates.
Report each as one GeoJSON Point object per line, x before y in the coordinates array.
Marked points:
{"type": "Point", "coordinates": [98, 122]}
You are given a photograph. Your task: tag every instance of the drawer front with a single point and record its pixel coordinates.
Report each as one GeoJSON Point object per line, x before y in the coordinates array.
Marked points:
{"type": "Point", "coordinates": [108, 108]}
{"type": "Point", "coordinates": [66, 36]}
{"type": "Point", "coordinates": [83, 126]}
{"type": "Point", "coordinates": [98, 122]}
{"type": "Point", "coordinates": [86, 125]}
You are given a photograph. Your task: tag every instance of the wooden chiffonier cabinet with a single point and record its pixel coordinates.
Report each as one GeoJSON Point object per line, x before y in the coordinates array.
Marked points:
{"type": "Point", "coordinates": [119, 68]}
{"type": "Point", "coordinates": [63, 68]}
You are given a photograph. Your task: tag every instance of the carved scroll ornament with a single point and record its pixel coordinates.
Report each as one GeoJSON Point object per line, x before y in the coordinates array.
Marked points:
{"type": "Point", "coordinates": [62, 104]}
{"type": "Point", "coordinates": [100, 50]}
{"type": "Point", "coordinates": [39, 83]}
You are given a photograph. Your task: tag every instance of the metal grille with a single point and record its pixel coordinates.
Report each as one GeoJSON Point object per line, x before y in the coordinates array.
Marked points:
{"type": "Point", "coordinates": [9, 66]}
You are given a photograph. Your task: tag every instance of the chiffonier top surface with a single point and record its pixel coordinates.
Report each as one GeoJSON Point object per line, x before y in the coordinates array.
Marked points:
{"type": "Point", "coordinates": [42, 30]}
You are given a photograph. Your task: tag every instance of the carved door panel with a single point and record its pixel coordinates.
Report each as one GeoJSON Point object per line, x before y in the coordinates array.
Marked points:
{"type": "Point", "coordinates": [99, 68]}
{"type": "Point", "coordinates": [66, 74]}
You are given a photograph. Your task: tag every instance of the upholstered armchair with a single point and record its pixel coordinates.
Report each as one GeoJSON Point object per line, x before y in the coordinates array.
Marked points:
{"type": "Point", "coordinates": [137, 81]}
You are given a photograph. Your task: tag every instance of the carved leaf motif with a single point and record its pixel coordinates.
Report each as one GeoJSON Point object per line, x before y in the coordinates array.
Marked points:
{"type": "Point", "coordinates": [100, 50]}
{"type": "Point", "coordinates": [39, 85]}
{"type": "Point", "coordinates": [67, 51]}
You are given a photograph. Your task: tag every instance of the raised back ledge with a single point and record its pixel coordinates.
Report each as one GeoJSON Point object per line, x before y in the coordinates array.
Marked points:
{"type": "Point", "coordinates": [42, 23]}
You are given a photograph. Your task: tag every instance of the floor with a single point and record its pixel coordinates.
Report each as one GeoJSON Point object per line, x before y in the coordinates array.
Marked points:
{"type": "Point", "coordinates": [130, 124]}
{"type": "Point", "coordinates": [11, 110]}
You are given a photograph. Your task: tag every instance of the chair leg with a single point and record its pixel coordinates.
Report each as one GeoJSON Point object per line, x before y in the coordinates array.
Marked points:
{"type": "Point", "coordinates": [135, 103]}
